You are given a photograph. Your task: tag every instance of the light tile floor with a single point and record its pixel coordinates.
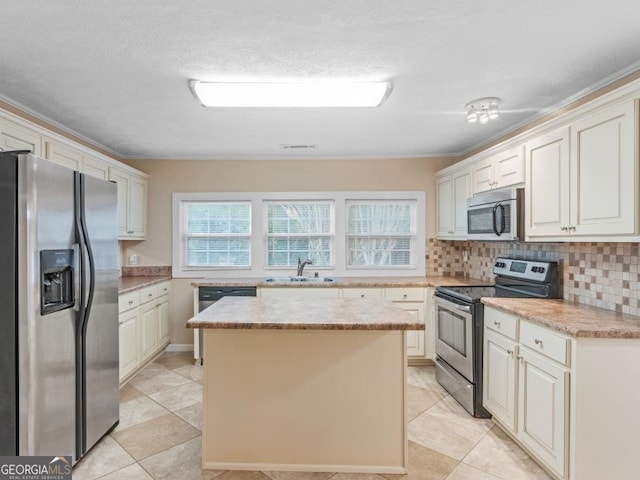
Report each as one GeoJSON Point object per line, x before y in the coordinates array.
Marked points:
{"type": "Point", "coordinates": [159, 435]}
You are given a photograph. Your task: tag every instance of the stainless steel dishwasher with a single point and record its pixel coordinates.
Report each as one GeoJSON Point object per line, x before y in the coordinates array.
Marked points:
{"type": "Point", "coordinates": [207, 296]}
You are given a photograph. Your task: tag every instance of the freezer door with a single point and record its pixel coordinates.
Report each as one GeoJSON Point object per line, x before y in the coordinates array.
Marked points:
{"type": "Point", "coordinates": [101, 340]}
{"type": "Point", "coordinates": [46, 346]}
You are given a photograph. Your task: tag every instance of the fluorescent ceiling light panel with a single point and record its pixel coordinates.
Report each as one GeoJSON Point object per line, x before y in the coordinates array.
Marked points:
{"type": "Point", "coordinates": [292, 95]}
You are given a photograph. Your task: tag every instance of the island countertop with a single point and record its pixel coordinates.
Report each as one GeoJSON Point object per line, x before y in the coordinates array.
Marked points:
{"type": "Point", "coordinates": [305, 314]}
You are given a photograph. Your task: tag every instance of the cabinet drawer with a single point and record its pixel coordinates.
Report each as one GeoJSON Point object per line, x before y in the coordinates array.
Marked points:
{"type": "Point", "coordinates": [362, 292]}
{"type": "Point", "coordinates": [501, 322]}
{"type": "Point", "coordinates": [147, 294]}
{"type": "Point", "coordinates": [545, 342]}
{"type": "Point", "coordinates": [405, 294]}
{"type": "Point", "coordinates": [127, 301]}
{"type": "Point", "coordinates": [163, 288]}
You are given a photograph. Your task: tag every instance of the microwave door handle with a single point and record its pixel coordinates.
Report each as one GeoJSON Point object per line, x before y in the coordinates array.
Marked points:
{"type": "Point", "coordinates": [493, 223]}
{"type": "Point", "coordinates": [502, 221]}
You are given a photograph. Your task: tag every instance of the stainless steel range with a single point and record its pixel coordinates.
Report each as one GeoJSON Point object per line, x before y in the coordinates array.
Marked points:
{"type": "Point", "coordinates": [459, 324]}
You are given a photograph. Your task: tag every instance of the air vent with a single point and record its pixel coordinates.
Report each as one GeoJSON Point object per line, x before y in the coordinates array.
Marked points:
{"type": "Point", "coordinates": [288, 146]}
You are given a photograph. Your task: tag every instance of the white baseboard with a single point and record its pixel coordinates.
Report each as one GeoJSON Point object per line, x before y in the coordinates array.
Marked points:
{"type": "Point", "coordinates": [179, 347]}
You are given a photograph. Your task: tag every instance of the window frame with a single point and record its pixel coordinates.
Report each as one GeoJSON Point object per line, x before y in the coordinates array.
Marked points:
{"type": "Point", "coordinates": [331, 235]}
{"type": "Point", "coordinates": [259, 268]}
{"type": "Point", "coordinates": [412, 236]}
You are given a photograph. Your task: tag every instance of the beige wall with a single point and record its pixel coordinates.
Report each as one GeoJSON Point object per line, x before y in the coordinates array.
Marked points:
{"type": "Point", "coordinates": [168, 176]}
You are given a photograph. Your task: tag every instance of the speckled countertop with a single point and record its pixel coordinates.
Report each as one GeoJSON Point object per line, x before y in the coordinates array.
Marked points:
{"type": "Point", "coordinates": [573, 319]}
{"type": "Point", "coordinates": [305, 314]}
{"type": "Point", "coordinates": [341, 282]}
{"type": "Point", "coordinates": [128, 284]}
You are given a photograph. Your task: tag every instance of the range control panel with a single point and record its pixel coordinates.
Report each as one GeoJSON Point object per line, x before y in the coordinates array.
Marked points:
{"type": "Point", "coordinates": [539, 271]}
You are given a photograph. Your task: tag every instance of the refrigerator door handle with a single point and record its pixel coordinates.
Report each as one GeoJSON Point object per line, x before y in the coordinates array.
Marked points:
{"type": "Point", "coordinates": [86, 300]}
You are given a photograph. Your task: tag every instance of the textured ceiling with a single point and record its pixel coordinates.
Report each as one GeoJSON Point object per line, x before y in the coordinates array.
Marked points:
{"type": "Point", "coordinates": [117, 72]}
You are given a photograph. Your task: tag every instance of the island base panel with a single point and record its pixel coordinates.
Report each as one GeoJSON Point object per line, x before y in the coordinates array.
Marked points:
{"type": "Point", "coordinates": [305, 400]}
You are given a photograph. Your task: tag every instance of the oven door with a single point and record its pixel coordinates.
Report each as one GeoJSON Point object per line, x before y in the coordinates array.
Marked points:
{"type": "Point", "coordinates": [454, 336]}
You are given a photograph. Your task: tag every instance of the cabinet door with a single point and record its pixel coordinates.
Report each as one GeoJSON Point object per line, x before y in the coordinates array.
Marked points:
{"type": "Point", "coordinates": [445, 207]}
{"type": "Point", "coordinates": [415, 339]}
{"type": "Point", "coordinates": [137, 207]}
{"type": "Point", "coordinates": [483, 175]}
{"type": "Point", "coordinates": [499, 378]}
{"type": "Point", "coordinates": [149, 321]}
{"type": "Point", "coordinates": [604, 172]}
{"type": "Point", "coordinates": [163, 321]}
{"type": "Point", "coordinates": [63, 155]}
{"type": "Point", "coordinates": [128, 335]}
{"type": "Point", "coordinates": [509, 167]}
{"type": "Point", "coordinates": [461, 183]}
{"type": "Point", "coordinates": [547, 185]}
{"type": "Point", "coordinates": [122, 182]}
{"type": "Point", "coordinates": [18, 138]}
{"type": "Point", "coordinates": [543, 405]}
{"type": "Point", "coordinates": [95, 167]}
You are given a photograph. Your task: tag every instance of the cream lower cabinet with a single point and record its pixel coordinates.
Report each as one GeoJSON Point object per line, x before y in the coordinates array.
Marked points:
{"type": "Point", "coordinates": [571, 402]}
{"type": "Point", "coordinates": [144, 326]}
{"type": "Point", "coordinates": [411, 300]}
{"type": "Point", "coordinates": [525, 385]}
{"type": "Point", "coordinates": [129, 332]}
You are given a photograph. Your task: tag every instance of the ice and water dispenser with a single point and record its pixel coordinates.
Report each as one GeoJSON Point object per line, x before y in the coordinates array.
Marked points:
{"type": "Point", "coordinates": [56, 280]}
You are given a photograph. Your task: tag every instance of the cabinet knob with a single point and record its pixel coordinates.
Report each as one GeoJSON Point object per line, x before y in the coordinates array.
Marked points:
{"type": "Point", "coordinates": [130, 302]}
{"type": "Point", "coordinates": [564, 229]}
{"type": "Point", "coordinates": [510, 352]}
{"type": "Point", "coordinates": [497, 324]}
{"type": "Point", "coordinates": [404, 296]}
{"type": "Point", "coordinates": [537, 342]}
{"type": "Point", "coordinates": [150, 295]}
{"type": "Point", "coordinates": [362, 295]}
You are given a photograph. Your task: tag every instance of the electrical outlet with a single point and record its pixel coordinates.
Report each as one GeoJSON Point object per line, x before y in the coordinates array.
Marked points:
{"type": "Point", "coordinates": [133, 259]}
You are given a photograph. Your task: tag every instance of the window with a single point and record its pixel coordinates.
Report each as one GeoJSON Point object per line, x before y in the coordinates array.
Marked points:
{"type": "Point", "coordinates": [217, 234]}
{"type": "Point", "coordinates": [262, 234]}
{"type": "Point", "coordinates": [299, 229]}
{"type": "Point", "coordinates": [380, 233]}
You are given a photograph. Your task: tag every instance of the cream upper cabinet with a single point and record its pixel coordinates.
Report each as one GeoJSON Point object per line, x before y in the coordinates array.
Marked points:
{"type": "Point", "coordinates": [132, 204]}
{"type": "Point", "coordinates": [14, 137]}
{"type": "Point", "coordinates": [95, 167]}
{"type": "Point", "coordinates": [63, 155]}
{"type": "Point", "coordinates": [604, 163]}
{"type": "Point", "coordinates": [547, 184]}
{"type": "Point", "coordinates": [452, 193]}
{"type": "Point", "coordinates": [500, 170]}
{"type": "Point", "coordinates": [581, 180]}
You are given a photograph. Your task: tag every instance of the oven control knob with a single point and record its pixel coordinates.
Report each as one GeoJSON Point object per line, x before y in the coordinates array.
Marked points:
{"type": "Point", "coordinates": [534, 269]}
{"type": "Point", "coordinates": [541, 270]}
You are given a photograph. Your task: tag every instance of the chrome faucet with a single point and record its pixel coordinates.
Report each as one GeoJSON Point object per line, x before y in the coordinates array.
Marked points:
{"type": "Point", "coordinates": [302, 264]}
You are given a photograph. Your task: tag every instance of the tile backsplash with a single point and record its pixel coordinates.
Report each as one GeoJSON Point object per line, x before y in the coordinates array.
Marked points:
{"type": "Point", "coordinates": [602, 275]}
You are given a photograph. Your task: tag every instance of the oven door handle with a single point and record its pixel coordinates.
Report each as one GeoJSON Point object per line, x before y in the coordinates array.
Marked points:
{"type": "Point", "coordinates": [464, 308]}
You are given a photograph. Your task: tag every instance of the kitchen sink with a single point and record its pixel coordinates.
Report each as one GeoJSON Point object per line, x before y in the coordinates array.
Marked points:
{"type": "Point", "coordinates": [298, 279]}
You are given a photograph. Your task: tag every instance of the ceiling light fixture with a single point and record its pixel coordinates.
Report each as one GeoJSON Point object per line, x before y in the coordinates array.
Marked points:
{"type": "Point", "coordinates": [482, 110]}
{"type": "Point", "coordinates": [348, 94]}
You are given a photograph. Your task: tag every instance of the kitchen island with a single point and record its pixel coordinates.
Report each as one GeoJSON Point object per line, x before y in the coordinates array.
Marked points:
{"type": "Point", "coordinates": [305, 384]}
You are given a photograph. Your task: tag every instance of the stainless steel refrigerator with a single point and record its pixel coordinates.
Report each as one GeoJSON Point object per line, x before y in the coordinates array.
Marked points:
{"type": "Point", "coordinates": [58, 308]}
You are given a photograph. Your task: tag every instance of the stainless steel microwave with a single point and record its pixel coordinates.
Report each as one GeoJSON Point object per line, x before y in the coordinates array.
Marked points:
{"type": "Point", "coordinates": [496, 215]}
